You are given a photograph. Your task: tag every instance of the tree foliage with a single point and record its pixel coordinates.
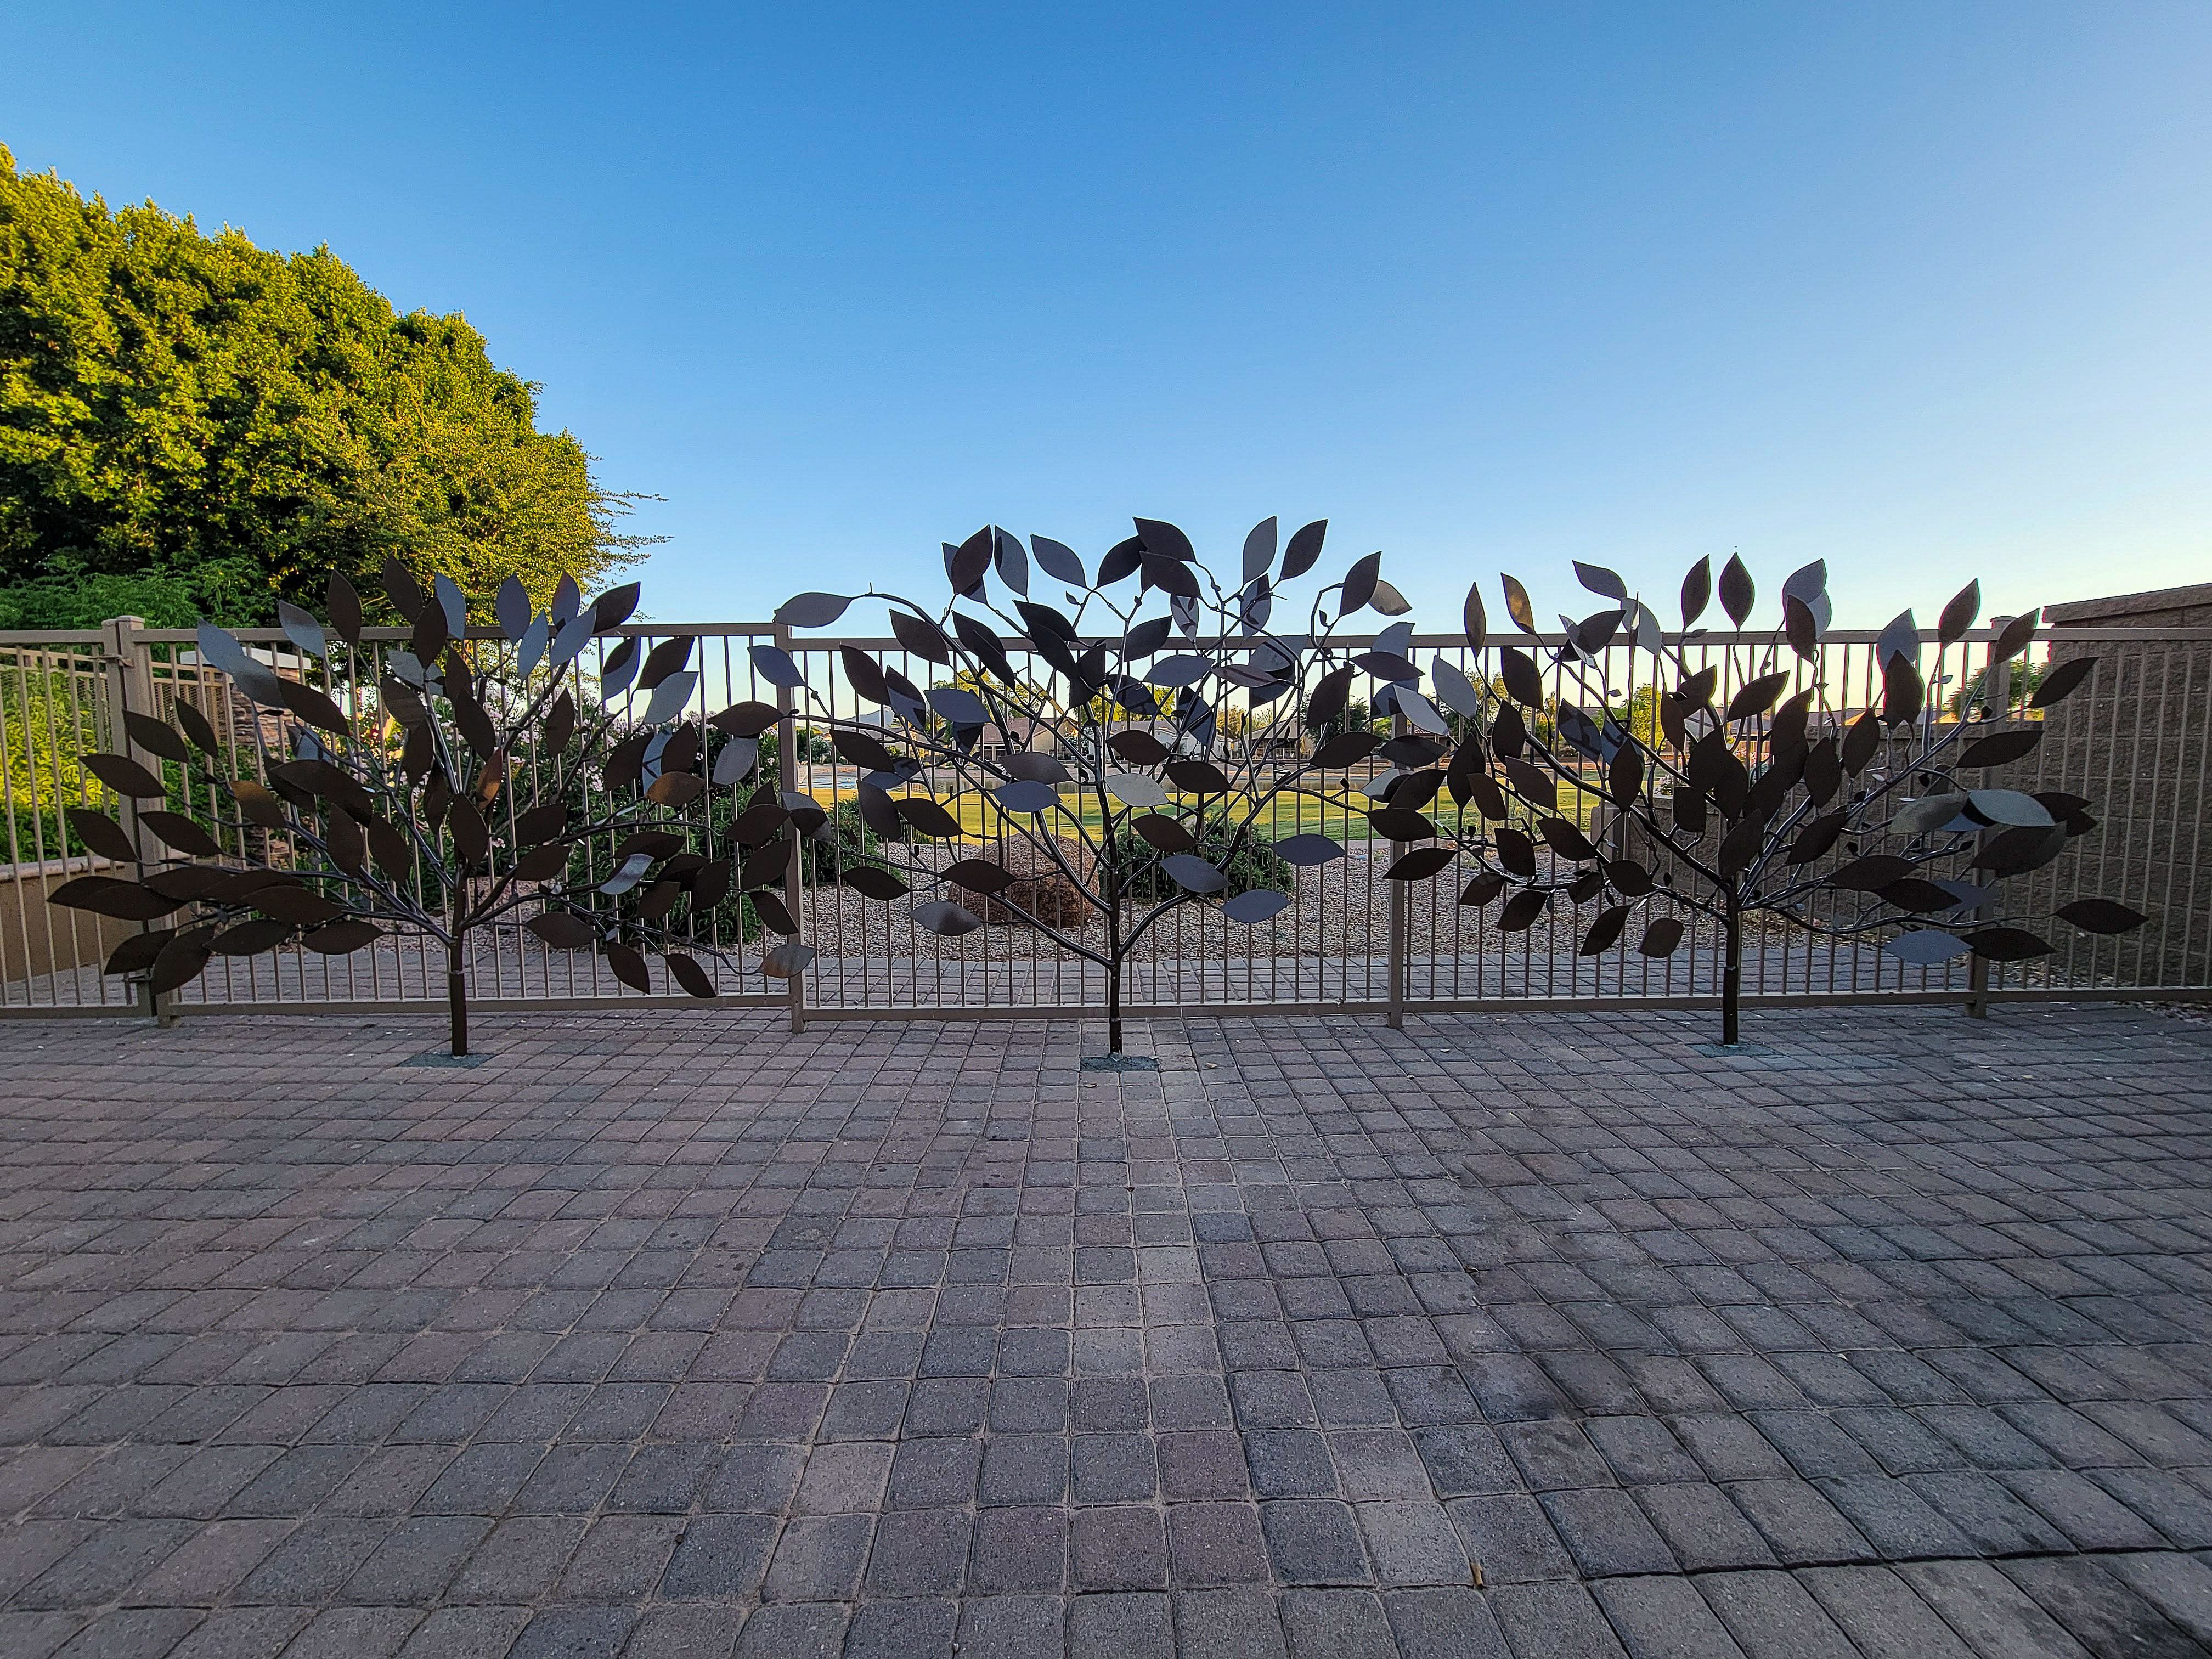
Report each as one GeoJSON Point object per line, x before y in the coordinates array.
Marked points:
{"type": "Point", "coordinates": [214, 427]}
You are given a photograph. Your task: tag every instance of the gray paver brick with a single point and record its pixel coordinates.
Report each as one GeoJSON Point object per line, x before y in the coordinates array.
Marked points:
{"type": "Point", "coordinates": [1273, 1339]}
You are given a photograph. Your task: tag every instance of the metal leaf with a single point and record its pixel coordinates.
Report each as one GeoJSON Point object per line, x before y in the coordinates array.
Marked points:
{"type": "Point", "coordinates": [873, 881]}
{"type": "Point", "coordinates": [1037, 766]}
{"type": "Point", "coordinates": [1194, 874]}
{"type": "Point", "coordinates": [670, 657]}
{"type": "Point", "coordinates": [1455, 689]}
{"type": "Point", "coordinates": [2099, 915]}
{"type": "Point", "coordinates": [945, 919]}
{"type": "Point", "coordinates": [250, 938]}
{"type": "Point", "coordinates": [669, 697]}
{"type": "Point", "coordinates": [1523, 911]}
{"type": "Point", "coordinates": [2007, 945]}
{"type": "Point", "coordinates": [812, 609]}
{"type": "Point", "coordinates": [1737, 590]}
{"type": "Point", "coordinates": [1026, 795]}
{"type": "Point", "coordinates": [922, 637]}
{"type": "Point", "coordinates": [1516, 603]}
{"type": "Point", "coordinates": [124, 775]}
{"type": "Point", "coordinates": [453, 603]}
{"type": "Point", "coordinates": [774, 915]}
{"type": "Point", "coordinates": [1872, 873]}
{"type": "Point", "coordinates": [1662, 938]}
{"type": "Point", "coordinates": [613, 608]}
{"type": "Point", "coordinates": [2060, 680]}
{"type": "Point", "coordinates": [562, 929]}
{"type": "Point", "coordinates": [180, 961]}
{"type": "Point", "coordinates": [1058, 560]}
{"type": "Point", "coordinates": [108, 896]}
{"type": "Point", "coordinates": [1135, 789]}
{"type": "Point", "coordinates": [1599, 580]}
{"type": "Point", "coordinates": [774, 664]}
{"type": "Point", "coordinates": [1697, 591]}
{"type": "Point", "coordinates": [294, 903]}
{"type": "Point", "coordinates": [568, 602]}
{"type": "Point", "coordinates": [1604, 933]}
{"type": "Point", "coordinates": [343, 602]}
{"type": "Point", "coordinates": [183, 834]}
{"type": "Point", "coordinates": [1999, 748]}
{"type": "Point", "coordinates": [1420, 864]}
{"type": "Point", "coordinates": [1926, 814]}
{"type": "Point", "coordinates": [313, 706]}
{"type": "Point", "coordinates": [928, 818]}
{"type": "Point", "coordinates": [401, 590]}
{"type": "Point", "coordinates": [1925, 947]}
{"type": "Point", "coordinates": [341, 937]}
{"type": "Point", "coordinates": [631, 872]}
{"type": "Point", "coordinates": [628, 966]}
{"type": "Point", "coordinates": [1308, 849]}
{"type": "Point", "coordinates": [1174, 671]}
{"type": "Point", "coordinates": [1389, 600]}
{"type": "Point", "coordinates": [979, 876]}
{"type": "Point", "coordinates": [1396, 823]}
{"type": "Point", "coordinates": [2016, 850]}
{"type": "Point", "coordinates": [1522, 683]}
{"type": "Point", "coordinates": [1799, 625]}
{"type": "Point", "coordinates": [1171, 576]}
{"type": "Point", "coordinates": [1807, 583]}
{"type": "Point", "coordinates": [430, 636]}
{"type": "Point", "coordinates": [1420, 711]}
{"type": "Point", "coordinates": [2009, 806]}
{"type": "Point", "coordinates": [1756, 696]}
{"type": "Point", "coordinates": [968, 563]}
{"type": "Point", "coordinates": [102, 835]}
{"type": "Point", "coordinates": [1013, 565]}
{"type": "Point", "coordinates": [302, 629]}
{"type": "Point", "coordinates": [787, 960]}
{"type": "Point", "coordinates": [686, 971]}
{"type": "Point", "coordinates": [1255, 906]}
{"type": "Point", "coordinates": [196, 728]}
{"type": "Point", "coordinates": [746, 720]}
{"type": "Point", "coordinates": [1482, 888]}
{"type": "Point", "coordinates": [1903, 691]}
{"type": "Point", "coordinates": [735, 761]}
{"type": "Point", "coordinates": [510, 608]}
{"type": "Point", "coordinates": [575, 635]}
{"type": "Point", "coordinates": [1164, 833]}
{"type": "Point", "coordinates": [1958, 615]}
{"type": "Point", "coordinates": [1304, 548]}
{"type": "Point", "coordinates": [1900, 639]}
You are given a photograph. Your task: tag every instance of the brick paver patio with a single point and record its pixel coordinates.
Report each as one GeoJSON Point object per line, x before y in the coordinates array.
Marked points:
{"type": "Point", "coordinates": [1535, 1335]}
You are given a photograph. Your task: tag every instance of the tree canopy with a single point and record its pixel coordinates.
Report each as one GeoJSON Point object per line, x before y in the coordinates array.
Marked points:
{"type": "Point", "coordinates": [194, 425]}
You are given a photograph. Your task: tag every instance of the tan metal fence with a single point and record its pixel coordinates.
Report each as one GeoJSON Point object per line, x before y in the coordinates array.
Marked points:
{"type": "Point", "coordinates": [2137, 742]}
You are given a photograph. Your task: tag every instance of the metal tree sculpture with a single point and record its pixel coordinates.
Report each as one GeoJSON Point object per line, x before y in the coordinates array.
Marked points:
{"type": "Point", "coordinates": [464, 785]}
{"type": "Point", "coordinates": [1107, 726]}
{"type": "Point", "coordinates": [1742, 790]}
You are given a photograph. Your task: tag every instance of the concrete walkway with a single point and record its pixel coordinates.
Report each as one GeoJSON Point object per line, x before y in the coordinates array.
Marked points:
{"type": "Point", "coordinates": [676, 1335]}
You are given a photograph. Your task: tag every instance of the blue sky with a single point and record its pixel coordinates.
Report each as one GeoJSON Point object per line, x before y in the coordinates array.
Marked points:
{"type": "Point", "coordinates": [1920, 289]}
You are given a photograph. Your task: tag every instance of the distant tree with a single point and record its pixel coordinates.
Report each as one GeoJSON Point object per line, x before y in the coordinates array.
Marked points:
{"type": "Point", "coordinates": [193, 425]}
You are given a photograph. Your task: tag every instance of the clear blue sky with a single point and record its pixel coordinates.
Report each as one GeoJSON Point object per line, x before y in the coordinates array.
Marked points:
{"type": "Point", "coordinates": [1922, 288]}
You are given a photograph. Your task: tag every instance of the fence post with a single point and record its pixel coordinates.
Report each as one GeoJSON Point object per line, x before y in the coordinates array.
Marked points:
{"type": "Point", "coordinates": [131, 691]}
{"type": "Point", "coordinates": [1401, 905]}
{"type": "Point", "coordinates": [1996, 695]}
{"type": "Point", "coordinates": [787, 767]}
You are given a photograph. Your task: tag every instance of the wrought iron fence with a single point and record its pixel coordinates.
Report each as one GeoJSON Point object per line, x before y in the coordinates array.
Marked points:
{"type": "Point", "coordinates": [2137, 742]}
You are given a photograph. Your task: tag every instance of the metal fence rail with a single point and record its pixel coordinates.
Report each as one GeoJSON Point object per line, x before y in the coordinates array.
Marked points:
{"type": "Point", "coordinates": [2136, 742]}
